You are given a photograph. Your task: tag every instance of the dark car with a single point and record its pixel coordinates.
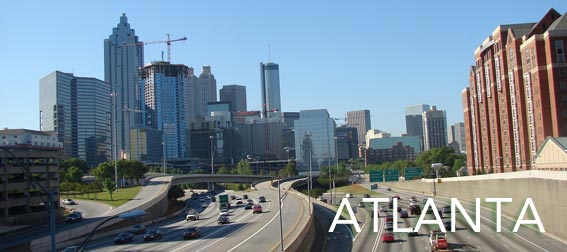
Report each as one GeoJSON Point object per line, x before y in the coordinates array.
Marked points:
{"type": "Point", "coordinates": [245, 196]}
{"type": "Point", "coordinates": [447, 225]}
{"type": "Point", "coordinates": [123, 238]}
{"type": "Point", "coordinates": [74, 218]}
{"type": "Point", "coordinates": [192, 232]}
{"type": "Point", "coordinates": [213, 199]}
{"type": "Point", "coordinates": [399, 209]}
{"type": "Point", "coordinates": [366, 195]}
{"type": "Point", "coordinates": [232, 197]}
{"type": "Point", "coordinates": [403, 214]}
{"type": "Point", "coordinates": [261, 199]}
{"type": "Point", "coordinates": [137, 229]}
{"type": "Point", "coordinates": [446, 209]}
{"type": "Point", "coordinates": [152, 235]}
{"type": "Point", "coordinates": [223, 220]}
{"type": "Point", "coordinates": [361, 204]}
{"type": "Point", "coordinates": [248, 206]}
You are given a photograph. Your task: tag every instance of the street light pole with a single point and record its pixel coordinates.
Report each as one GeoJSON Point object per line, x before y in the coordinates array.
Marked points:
{"type": "Point", "coordinates": [212, 161]}
{"type": "Point", "coordinates": [164, 152]}
{"type": "Point", "coordinates": [281, 222]}
{"type": "Point", "coordinates": [113, 94]}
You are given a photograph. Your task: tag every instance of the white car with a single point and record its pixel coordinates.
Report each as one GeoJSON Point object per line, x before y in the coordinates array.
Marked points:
{"type": "Point", "coordinates": [224, 212]}
{"type": "Point", "coordinates": [349, 195]}
{"type": "Point", "coordinates": [69, 202]}
{"type": "Point", "coordinates": [192, 217]}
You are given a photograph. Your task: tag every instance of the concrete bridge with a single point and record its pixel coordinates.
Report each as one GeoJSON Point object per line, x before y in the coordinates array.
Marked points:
{"type": "Point", "coordinates": [217, 178]}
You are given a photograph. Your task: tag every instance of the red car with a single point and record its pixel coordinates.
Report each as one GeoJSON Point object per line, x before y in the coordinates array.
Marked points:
{"type": "Point", "coordinates": [389, 218]}
{"type": "Point", "coordinates": [388, 237]}
{"type": "Point", "coordinates": [192, 232]}
{"type": "Point", "coordinates": [397, 197]}
{"type": "Point", "coordinates": [257, 209]}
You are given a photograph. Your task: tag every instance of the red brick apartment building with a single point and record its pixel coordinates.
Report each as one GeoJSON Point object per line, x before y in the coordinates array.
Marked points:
{"type": "Point", "coordinates": [517, 94]}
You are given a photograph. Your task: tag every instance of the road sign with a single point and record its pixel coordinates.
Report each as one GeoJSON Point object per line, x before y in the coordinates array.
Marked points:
{"type": "Point", "coordinates": [391, 175]}
{"type": "Point", "coordinates": [223, 200]}
{"type": "Point", "coordinates": [413, 172]}
{"type": "Point", "coordinates": [376, 175]}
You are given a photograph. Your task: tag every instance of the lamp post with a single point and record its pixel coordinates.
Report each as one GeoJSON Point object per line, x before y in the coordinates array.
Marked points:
{"type": "Point", "coordinates": [164, 152]}
{"type": "Point", "coordinates": [114, 138]}
{"type": "Point", "coordinates": [212, 161]}
{"type": "Point", "coordinates": [309, 182]}
{"type": "Point", "coordinates": [126, 215]}
{"type": "Point", "coordinates": [280, 205]}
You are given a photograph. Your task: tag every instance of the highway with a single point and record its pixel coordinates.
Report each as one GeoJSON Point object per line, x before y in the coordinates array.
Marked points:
{"type": "Point", "coordinates": [90, 209]}
{"type": "Point", "coordinates": [245, 232]}
{"type": "Point", "coordinates": [464, 239]}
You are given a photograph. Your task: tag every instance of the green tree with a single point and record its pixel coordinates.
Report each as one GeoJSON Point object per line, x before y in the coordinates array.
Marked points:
{"type": "Point", "coordinates": [104, 171]}
{"type": "Point", "coordinates": [109, 185]}
{"type": "Point", "coordinates": [243, 167]}
{"type": "Point", "coordinates": [223, 170]}
{"type": "Point", "coordinates": [444, 155]}
{"type": "Point", "coordinates": [175, 192]}
{"type": "Point", "coordinates": [291, 170]}
{"type": "Point", "coordinates": [79, 163]}
{"type": "Point", "coordinates": [74, 174]}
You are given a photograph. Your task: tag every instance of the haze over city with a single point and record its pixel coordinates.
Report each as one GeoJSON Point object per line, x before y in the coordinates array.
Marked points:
{"type": "Point", "coordinates": [332, 55]}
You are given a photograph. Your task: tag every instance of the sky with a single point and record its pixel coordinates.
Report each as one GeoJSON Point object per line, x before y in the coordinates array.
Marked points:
{"type": "Point", "coordinates": [334, 55]}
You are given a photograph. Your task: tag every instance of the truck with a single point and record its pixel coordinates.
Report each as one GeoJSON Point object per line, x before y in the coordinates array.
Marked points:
{"type": "Point", "coordinates": [223, 201]}
{"type": "Point", "coordinates": [438, 242]}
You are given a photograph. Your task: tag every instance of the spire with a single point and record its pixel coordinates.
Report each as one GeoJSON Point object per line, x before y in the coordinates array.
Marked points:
{"type": "Point", "coordinates": [123, 18]}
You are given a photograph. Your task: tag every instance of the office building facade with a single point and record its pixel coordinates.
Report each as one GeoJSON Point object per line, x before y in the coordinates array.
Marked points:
{"type": "Point", "coordinates": [236, 95]}
{"type": "Point", "coordinates": [200, 92]}
{"type": "Point", "coordinates": [434, 128]}
{"type": "Point", "coordinates": [123, 55]}
{"type": "Point", "coordinates": [314, 139]}
{"type": "Point", "coordinates": [414, 121]}
{"type": "Point", "coordinates": [78, 109]}
{"type": "Point", "coordinates": [359, 119]}
{"type": "Point", "coordinates": [270, 85]}
{"type": "Point", "coordinates": [516, 95]}
{"type": "Point", "coordinates": [346, 143]}
{"type": "Point", "coordinates": [456, 137]}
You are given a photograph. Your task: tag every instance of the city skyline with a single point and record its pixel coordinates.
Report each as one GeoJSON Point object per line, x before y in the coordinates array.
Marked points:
{"type": "Point", "coordinates": [330, 53]}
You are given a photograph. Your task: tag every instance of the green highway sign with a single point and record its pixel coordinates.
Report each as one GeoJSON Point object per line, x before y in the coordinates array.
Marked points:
{"type": "Point", "coordinates": [376, 175]}
{"type": "Point", "coordinates": [391, 175]}
{"type": "Point", "coordinates": [413, 172]}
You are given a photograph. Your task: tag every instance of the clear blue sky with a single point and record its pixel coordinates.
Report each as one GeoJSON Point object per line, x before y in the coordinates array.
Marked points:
{"type": "Point", "coordinates": [338, 55]}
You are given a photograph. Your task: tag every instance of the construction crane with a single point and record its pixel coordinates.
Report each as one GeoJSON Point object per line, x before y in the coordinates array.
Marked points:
{"type": "Point", "coordinates": [168, 42]}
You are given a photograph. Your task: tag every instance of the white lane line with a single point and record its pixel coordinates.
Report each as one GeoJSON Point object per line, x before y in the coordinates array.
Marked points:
{"type": "Point", "coordinates": [259, 230]}
{"type": "Point", "coordinates": [377, 241]}
{"type": "Point", "coordinates": [362, 228]}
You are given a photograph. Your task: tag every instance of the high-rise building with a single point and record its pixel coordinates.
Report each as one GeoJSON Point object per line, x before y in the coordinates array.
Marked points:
{"type": "Point", "coordinates": [434, 128]}
{"type": "Point", "coordinates": [164, 89]}
{"type": "Point", "coordinates": [270, 83]}
{"type": "Point", "coordinates": [373, 134]}
{"type": "Point", "coordinates": [123, 55]}
{"type": "Point", "coordinates": [516, 95]}
{"type": "Point", "coordinates": [288, 135]}
{"type": "Point", "coordinates": [201, 91]}
{"type": "Point", "coordinates": [314, 139]}
{"type": "Point", "coordinates": [456, 137]}
{"type": "Point", "coordinates": [78, 109]}
{"type": "Point", "coordinates": [347, 142]}
{"type": "Point", "coordinates": [414, 121]}
{"type": "Point", "coordinates": [236, 95]}
{"type": "Point", "coordinates": [359, 119]}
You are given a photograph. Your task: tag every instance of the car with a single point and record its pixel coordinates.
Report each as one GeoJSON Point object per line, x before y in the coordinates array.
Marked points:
{"type": "Point", "coordinates": [69, 202]}
{"type": "Point", "coordinates": [224, 212]}
{"type": "Point", "coordinates": [232, 197]}
{"type": "Point", "coordinates": [388, 189]}
{"type": "Point", "coordinates": [245, 196]}
{"type": "Point", "coordinates": [261, 199]}
{"type": "Point", "coordinates": [413, 203]}
{"type": "Point", "coordinates": [257, 209]}
{"type": "Point", "coordinates": [412, 233]}
{"type": "Point", "coordinates": [349, 195]}
{"type": "Point", "coordinates": [403, 214]}
{"type": "Point", "coordinates": [137, 229]}
{"type": "Point", "coordinates": [70, 249]}
{"type": "Point", "coordinates": [152, 235]}
{"type": "Point", "coordinates": [223, 220]}
{"type": "Point", "coordinates": [388, 237]}
{"type": "Point", "coordinates": [74, 217]}
{"type": "Point", "coordinates": [383, 208]}
{"type": "Point", "coordinates": [396, 197]}
{"type": "Point", "coordinates": [123, 238]}
{"type": "Point", "coordinates": [239, 202]}
{"type": "Point", "coordinates": [249, 201]}
{"type": "Point", "coordinates": [399, 209]}
{"type": "Point", "coordinates": [447, 225]}
{"type": "Point", "coordinates": [389, 226]}
{"type": "Point", "coordinates": [192, 217]}
{"type": "Point", "coordinates": [446, 209]}
{"type": "Point", "coordinates": [366, 195]}
{"type": "Point", "coordinates": [248, 206]}
{"type": "Point", "coordinates": [389, 218]}
{"type": "Point", "coordinates": [191, 233]}
{"type": "Point", "coordinates": [204, 205]}
{"type": "Point", "coordinates": [361, 204]}
{"type": "Point", "coordinates": [213, 199]}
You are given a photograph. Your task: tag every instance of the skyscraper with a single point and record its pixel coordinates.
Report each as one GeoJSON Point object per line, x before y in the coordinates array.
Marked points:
{"type": "Point", "coordinates": [456, 137]}
{"type": "Point", "coordinates": [236, 95]}
{"type": "Point", "coordinates": [123, 55]}
{"type": "Point", "coordinates": [516, 95]}
{"type": "Point", "coordinates": [270, 83]}
{"type": "Point", "coordinates": [359, 119]}
{"type": "Point", "coordinates": [78, 110]}
{"type": "Point", "coordinates": [434, 128]}
{"type": "Point", "coordinates": [314, 139]}
{"type": "Point", "coordinates": [165, 85]}
{"type": "Point", "coordinates": [202, 90]}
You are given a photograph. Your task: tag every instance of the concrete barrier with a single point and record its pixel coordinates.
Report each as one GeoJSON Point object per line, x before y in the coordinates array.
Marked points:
{"type": "Point", "coordinates": [547, 194]}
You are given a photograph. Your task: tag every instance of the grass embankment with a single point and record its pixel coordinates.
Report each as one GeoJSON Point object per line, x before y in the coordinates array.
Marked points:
{"type": "Point", "coordinates": [119, 197]}
{"type": "Point", "coordinates": [356, 189]}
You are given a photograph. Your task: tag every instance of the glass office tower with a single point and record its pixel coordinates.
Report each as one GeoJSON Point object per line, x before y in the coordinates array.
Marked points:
{"type": "Point", "coordinates": [314, 139]}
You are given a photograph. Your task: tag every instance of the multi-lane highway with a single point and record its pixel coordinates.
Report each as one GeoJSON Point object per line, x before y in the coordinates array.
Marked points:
{"type": "Point", "coordinates": [464, 239]}
{"type": "Point", "coordinates": [245, 232]}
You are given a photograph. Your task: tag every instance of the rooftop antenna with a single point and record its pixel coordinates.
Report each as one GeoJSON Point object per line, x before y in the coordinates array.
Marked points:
{"type": "Point", "coordinates": [269, 53]}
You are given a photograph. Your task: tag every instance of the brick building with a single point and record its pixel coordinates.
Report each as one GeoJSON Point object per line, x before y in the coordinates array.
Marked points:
{"type": "Point", "coordinates": [517, 94]}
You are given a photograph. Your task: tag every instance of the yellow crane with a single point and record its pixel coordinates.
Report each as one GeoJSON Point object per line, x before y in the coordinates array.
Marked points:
{"type": "Point", "coordinates": [168, 42]}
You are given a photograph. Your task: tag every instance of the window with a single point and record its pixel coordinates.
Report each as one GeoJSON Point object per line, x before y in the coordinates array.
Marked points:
{"type": "Point", "coordinates": [563, 85]}
{"type": "Point", "coordinates": [559, 51]}
{"type": "Point", "coordinates": [487, 79]}
{"type": "Point", "coordinates": [497, 66]}
{"type": "Point", "coordinates": [564, 99]}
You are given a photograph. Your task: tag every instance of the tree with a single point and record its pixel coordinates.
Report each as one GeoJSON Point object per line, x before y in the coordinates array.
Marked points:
{"type": "Point", "coordinates": [104, 171]}
{"type": "Point", "coordinates": [290, 170]}
{"type": "Point", "coordinates": [223, 170]}
{"type": "Point", "coordinates": [109, 185]}
{"type": "Point", "coordinates": [444, 155]}
{"type": "Point", "coordinates": [74, 174]}
{"type": "Point", "coordinates": [243, 167]}
{"type": "Point", "coordinates": [175, 192]}
{"type": "Point", "coordinates": [79, 163]}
